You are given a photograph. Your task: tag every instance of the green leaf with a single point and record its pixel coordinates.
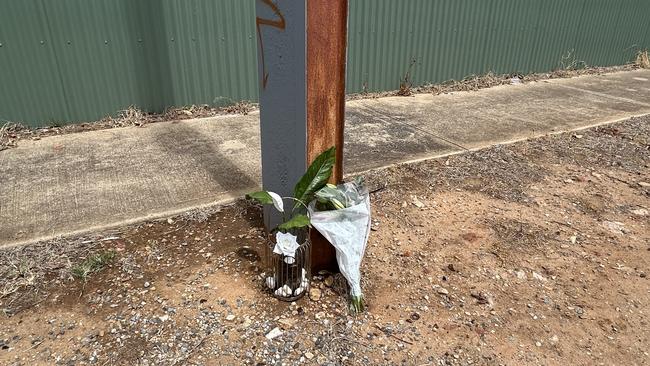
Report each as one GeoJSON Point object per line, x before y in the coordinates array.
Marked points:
{"type": "Point", "coordinates": [262, 197]}
{"type": "Point", "coordinates": [316, 177]}
{"type": "Point", "coordinates": [296, 222]}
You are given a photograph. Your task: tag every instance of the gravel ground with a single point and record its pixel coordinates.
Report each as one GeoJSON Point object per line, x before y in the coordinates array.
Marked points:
{"type": "Point", "coordinates": [531, 253]}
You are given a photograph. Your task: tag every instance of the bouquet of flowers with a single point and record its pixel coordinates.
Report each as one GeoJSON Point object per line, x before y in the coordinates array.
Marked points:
{"type": "Point", "coordinates": [342, 215]}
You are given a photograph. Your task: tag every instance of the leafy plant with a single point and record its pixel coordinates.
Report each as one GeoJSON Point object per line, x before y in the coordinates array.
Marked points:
{"type": "Point", "coordinates": [313, 180]}
{"type": "Point", "coordinates": [332, 197]}
{"type": "Point", "coordinates": [316, 177]}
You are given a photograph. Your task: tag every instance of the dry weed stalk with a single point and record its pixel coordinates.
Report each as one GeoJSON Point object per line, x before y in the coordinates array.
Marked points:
{"type": "Point", "coordinates": [131, 116]}
{"type": "Point", "coordinates": [9, 134]}
{"type": "Point", "coordinates": [406, 83]}
{"type": "Point", "coordinates": [642, 59]}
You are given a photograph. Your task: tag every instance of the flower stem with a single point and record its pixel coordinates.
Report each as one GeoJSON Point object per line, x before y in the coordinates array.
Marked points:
{"type": "Point", "coordinates": [297, 200]}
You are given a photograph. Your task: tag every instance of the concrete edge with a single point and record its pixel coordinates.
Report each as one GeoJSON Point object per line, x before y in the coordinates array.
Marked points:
{"type": "Point", "coordinates": [232, 198]}
{"type": "Point", "coordinates": [506, 142]}
{"type": "Point", "coordinates": [237, 195]}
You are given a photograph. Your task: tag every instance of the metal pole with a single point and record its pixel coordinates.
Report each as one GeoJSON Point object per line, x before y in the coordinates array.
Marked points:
{"type": "Point", "coordinates": [301, 65]}
{"type": "Point", "coordinates": [327, 25]}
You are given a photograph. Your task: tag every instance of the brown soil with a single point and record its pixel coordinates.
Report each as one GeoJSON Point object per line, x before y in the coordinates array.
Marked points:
{"type": "Point", "coordinates": [531, 253]}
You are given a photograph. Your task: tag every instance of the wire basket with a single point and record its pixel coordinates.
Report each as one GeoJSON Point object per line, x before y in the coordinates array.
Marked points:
{"type": "Point", "coordinates": [288, 278]}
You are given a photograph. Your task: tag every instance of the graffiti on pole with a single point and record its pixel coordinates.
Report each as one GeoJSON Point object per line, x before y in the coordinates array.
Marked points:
{"type": "Point", "coordinates": [279, 23]}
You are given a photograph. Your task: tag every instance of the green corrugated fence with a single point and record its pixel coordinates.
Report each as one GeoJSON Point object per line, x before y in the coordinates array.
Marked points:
{"type": "Point", "coordinates": [80, 60]}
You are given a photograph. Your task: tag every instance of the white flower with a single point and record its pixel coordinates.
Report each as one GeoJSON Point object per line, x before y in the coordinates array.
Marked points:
{"type": "Point", "coordinates": [286, 244]}
{"type": "Point", "coordinates": [277, 201]}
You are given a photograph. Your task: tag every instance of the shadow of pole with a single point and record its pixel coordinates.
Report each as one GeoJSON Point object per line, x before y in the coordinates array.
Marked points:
{"type": "Point", "coordinates": [181, 141]}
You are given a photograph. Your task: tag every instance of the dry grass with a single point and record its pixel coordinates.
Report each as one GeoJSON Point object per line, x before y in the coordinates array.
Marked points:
{"type": "Point", "coordinates": [26, 271]}
{"type": "Point", "coordinates": [201, 111]}
{"type": "Point", "coordinates": [471, 83]}
{"type": "Point", "coordinates": [569, 62]}
{"type": "Point", "coordinates": [624, 147]}
{"type": "Point", "coordinates": [568, 68]}
{"type": "Point", "coordinates": [642, 60]}
{"type": "Point", "coordinates": [131, 116]}
{"type": "Point", "coordinates": [9, 133]}
{"type": "Point", "coordinates": [16, 275]}
{"type": "Point", "coordinates": [518, 236]}
{"type": "Point", "coordinates": [243, 107]}
{"type": "Point", "coordinates": [201, 214]}
{"type": "Point", "coordinates": [406, 83]}
{"type": "Point", "coordinates": [498, 171]}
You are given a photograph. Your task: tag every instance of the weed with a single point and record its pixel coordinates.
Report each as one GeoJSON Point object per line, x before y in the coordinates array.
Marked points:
{"type": "Point", "coordinates": [55, 124]}
{"type": "Point", "coordinates": [406, 83]}
{"type": "Point", "coordinates": [569, 62]}
{"type": "Point", "coordinates": [642, 59]}
{"type": "Point", "coordinates": [364, 88]}
{"type": "Point", "coordinates": [18, 275]}
{"type": "Point", "coordinates": [131, 116]}
{"type": "Point", "coordinates": [93, 264]}
{"type": "Point", "coordinates": [9, 133]}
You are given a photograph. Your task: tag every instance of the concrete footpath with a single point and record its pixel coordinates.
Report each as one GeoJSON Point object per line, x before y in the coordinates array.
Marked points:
{"type": "Point", "coordinates": [93, 180]}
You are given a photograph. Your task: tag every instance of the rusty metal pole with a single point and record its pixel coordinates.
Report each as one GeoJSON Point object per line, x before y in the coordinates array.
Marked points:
{"type": "Point", "coordinates": [327, 25]}
{"type": "Point", "coordinates": [301, 65]}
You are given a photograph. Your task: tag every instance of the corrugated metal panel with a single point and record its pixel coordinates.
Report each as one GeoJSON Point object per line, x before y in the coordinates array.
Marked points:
{"type": "Point", "coordinates": [80, 60]}
{"type": "Point", "coordinates": [30, 85]}
{"type": "Point", "coordinates": [451, 39]}
{"type": "Point", "coordinates": [100, 56]}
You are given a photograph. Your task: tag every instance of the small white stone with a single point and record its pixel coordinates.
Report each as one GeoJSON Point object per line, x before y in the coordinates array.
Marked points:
{"type": "Point", "coordinates": [417, 203]}
{"type": "Point", "coordinates": [538, 277]}
{"type": "Point", "coordinates": [230, 317]}
{"type": "Point", "coordinates": [274, 333]}
{"type": "Point", "coordinates": [286, 290]}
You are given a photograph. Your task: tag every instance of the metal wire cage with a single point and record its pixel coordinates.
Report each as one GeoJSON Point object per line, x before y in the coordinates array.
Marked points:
{"type": "Point", "coordinates": [288, 278]}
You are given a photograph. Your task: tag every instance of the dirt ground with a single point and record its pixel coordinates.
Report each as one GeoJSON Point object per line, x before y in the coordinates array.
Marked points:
{"type": "Point", "coordinates": [535, 253]}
